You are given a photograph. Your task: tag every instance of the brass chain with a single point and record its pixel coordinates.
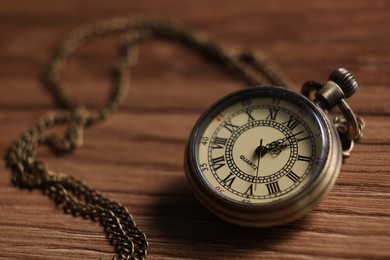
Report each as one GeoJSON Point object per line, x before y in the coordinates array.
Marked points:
{"type": "Point", "coordinates": [73, 195]}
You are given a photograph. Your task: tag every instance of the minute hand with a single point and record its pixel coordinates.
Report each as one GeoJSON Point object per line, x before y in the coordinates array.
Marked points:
{"type": "Point", "coordinates": [282, 140]}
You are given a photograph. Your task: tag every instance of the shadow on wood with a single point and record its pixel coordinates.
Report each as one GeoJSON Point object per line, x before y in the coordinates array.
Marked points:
{"type": "Point", "coordinates": [179, 220]}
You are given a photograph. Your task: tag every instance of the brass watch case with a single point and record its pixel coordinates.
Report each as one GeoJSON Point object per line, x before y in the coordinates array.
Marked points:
{"type": "Point", "coordinates": [275, 213]}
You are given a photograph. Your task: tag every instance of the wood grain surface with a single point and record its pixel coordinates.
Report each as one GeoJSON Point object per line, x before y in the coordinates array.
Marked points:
{"type": "Point", "coordinates": [136, 156]}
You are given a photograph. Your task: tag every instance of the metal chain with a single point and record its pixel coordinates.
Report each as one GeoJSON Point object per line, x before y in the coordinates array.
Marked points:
{"type": "Point", "coordinates": [73, 195]}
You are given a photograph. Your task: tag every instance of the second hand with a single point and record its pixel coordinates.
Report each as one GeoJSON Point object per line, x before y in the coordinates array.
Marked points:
{"type": "Point", "coordinates": [259, 150]}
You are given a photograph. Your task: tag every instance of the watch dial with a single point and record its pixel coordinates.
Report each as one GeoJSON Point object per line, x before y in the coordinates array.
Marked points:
{"type": "Point", "coordinates": [258, 147]}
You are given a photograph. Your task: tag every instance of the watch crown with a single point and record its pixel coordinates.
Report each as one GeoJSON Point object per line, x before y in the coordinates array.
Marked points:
{"type": "Point", "coordinates": [345, 80]}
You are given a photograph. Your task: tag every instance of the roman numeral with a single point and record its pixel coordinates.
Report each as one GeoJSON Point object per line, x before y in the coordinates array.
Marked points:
{"type": "Point", "coordinates": [230, 127]}
{"type": "Point", "coordinates": [303, 138]}
{"type": "Point", "coordinates": [303, 158]}
{"type": "Point", "coordinates": [292, 176]}
{"type": "Point", "coordinates": [249, 113]}
{"type": "Point", "coordinates": [229, 179]}
{"type": "Point", "coordinates": [218, 162]}
{"type": "Point", "coordinates": [273, 187]}
{"type": "Point", "coordinates": [292, 122]}
{"type": "Point", "coordinates": [249, 191]}
{"type": "Point", "coordinates": [219, 143]}
{"type": "Point", "coordinates": [272, 113]}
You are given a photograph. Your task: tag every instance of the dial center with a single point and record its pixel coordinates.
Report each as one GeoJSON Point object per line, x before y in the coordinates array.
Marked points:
{"type": "Point", "coordinates": [242, 158]}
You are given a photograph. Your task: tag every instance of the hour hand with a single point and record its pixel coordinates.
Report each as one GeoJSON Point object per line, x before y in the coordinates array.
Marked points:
{"type": "Point", "coordinates": [276, 150]}
{"type": "Point", "coordinates": [276, 147]}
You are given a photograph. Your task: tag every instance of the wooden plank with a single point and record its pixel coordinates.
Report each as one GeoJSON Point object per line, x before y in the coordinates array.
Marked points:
{"type": "Point", "coordinates": [171, 86]}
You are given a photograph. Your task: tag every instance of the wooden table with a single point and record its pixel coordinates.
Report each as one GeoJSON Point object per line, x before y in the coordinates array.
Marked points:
{"type": "Point", "coordinates": [136, 157]}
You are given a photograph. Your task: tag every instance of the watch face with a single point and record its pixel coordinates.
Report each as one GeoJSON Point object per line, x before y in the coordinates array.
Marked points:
{"type": "Point", "coordinates": [259, 146]}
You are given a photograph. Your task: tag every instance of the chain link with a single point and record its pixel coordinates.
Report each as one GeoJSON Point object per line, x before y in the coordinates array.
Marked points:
{"type": "Point", "coordinates": [73, 195]}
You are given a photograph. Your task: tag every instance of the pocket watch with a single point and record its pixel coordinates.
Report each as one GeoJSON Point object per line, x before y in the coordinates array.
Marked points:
{"type": "Point", "coordinates": [265, 156]}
